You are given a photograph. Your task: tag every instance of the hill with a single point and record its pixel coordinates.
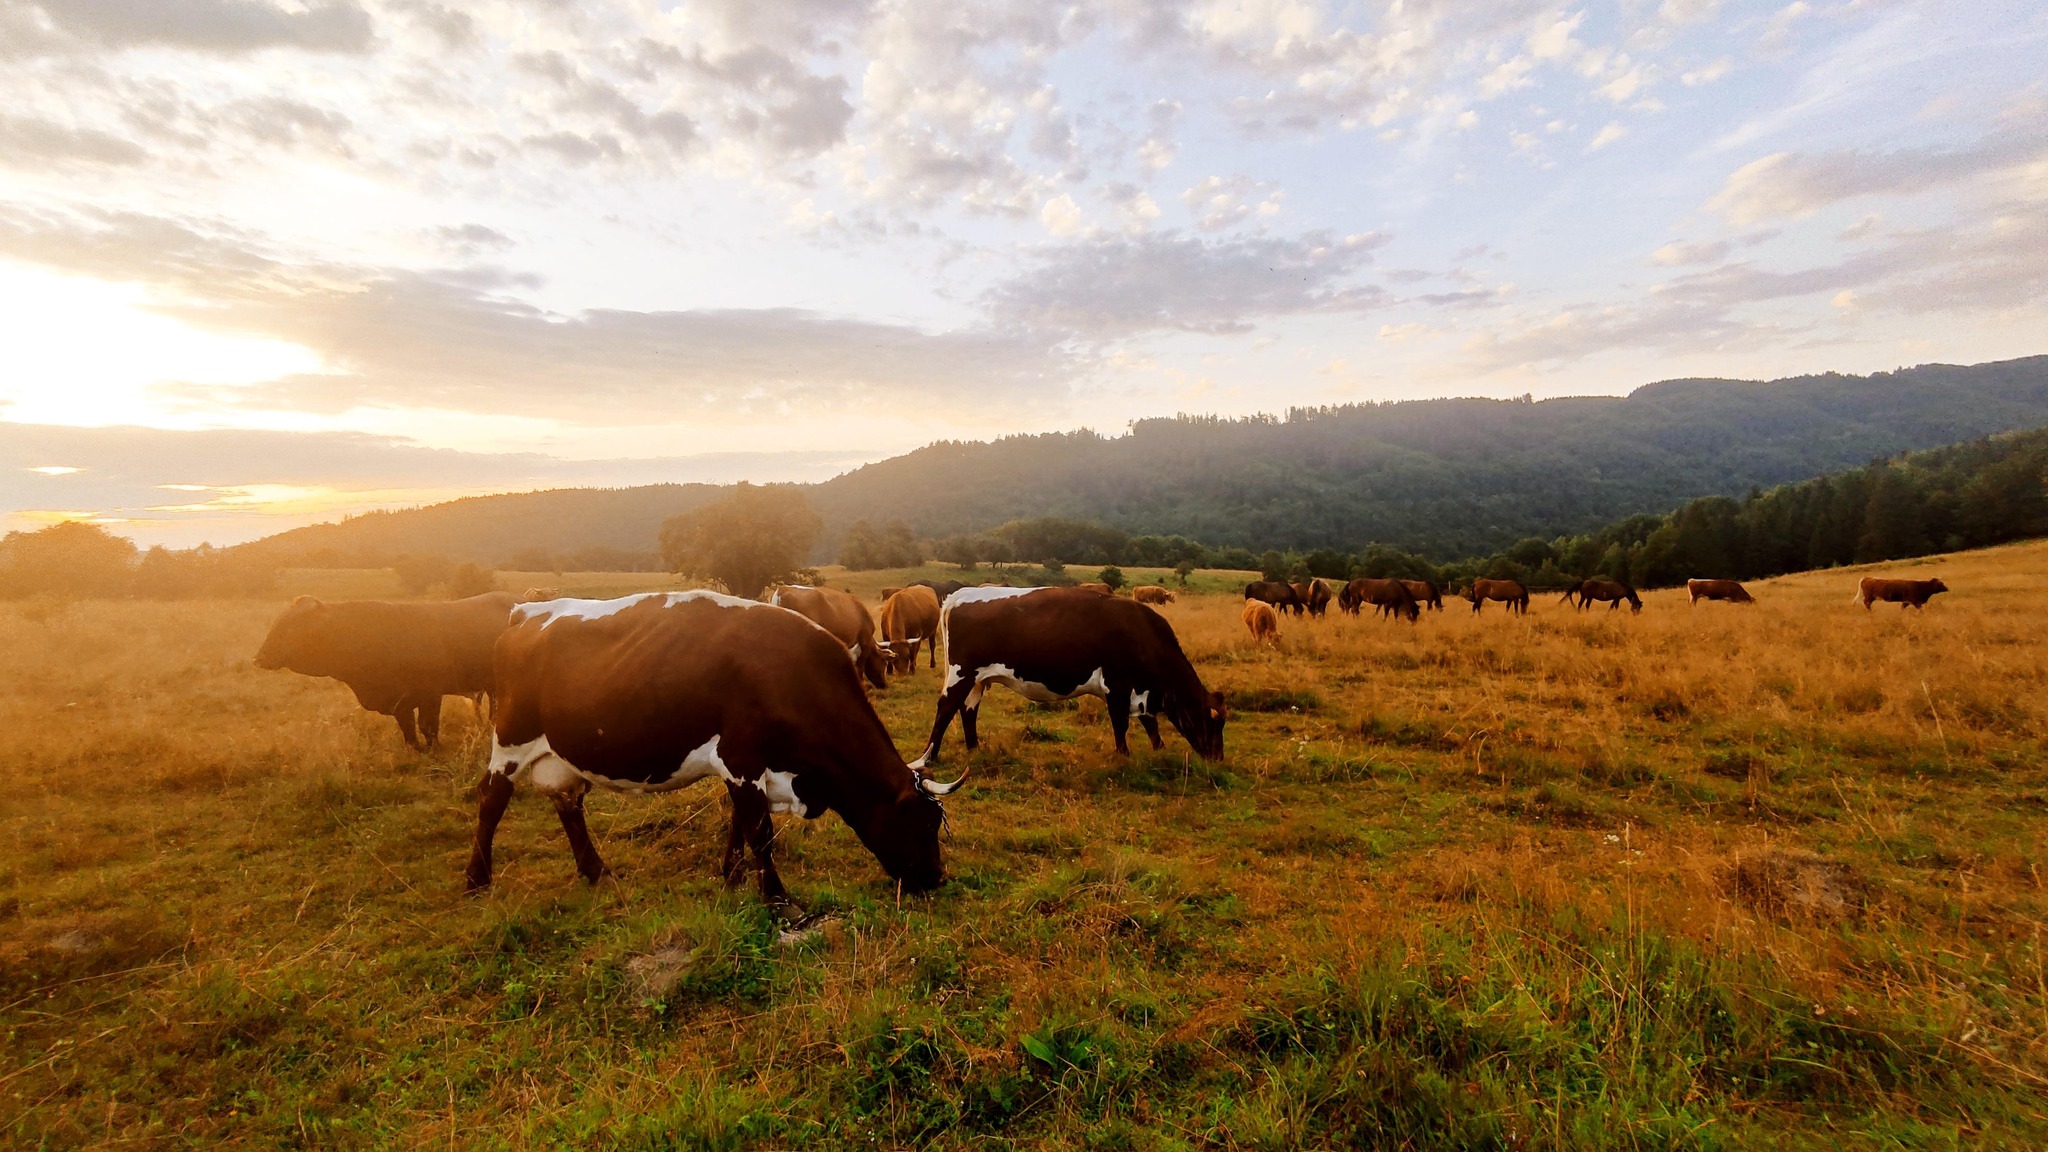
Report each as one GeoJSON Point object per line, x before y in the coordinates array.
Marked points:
{"type": "Point", "coordinates": [1445, 478]}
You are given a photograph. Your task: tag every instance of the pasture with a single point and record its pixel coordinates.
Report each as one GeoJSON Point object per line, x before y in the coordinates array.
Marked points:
{"type": "Point", "coordinates": [1703, 877]}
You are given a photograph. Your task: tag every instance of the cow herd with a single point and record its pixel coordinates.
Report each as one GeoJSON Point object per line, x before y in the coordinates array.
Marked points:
{"type": "Point", "coordinates": [656, 691]}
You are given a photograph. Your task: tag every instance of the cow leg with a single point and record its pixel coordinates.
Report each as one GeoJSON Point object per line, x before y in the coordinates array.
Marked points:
{"type": "Point", "coordinates": [430, 720]}
{"type": "Point", "coordinates": [493, 793]}
{"type": "Point", "coordinates": [405, 724]}
{"type": "Point", "coordinates": [949, 703]}
{"type": "Point", "coordinates": [1119, 705]}
{"type": "Point", "coordinates": [1151, 724]}
{"type": "Point", "coordinates": [588, 864]}
{"type": "Point", "coordinates": [968, 716]}
{"type": "Point", "coordinates": [751, 819]}
{"type": "Point", "coordinates": [734, 866]}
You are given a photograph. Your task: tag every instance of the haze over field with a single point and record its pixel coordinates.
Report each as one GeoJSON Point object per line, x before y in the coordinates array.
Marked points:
{"type": "Point", "coordinates": [284, 261]}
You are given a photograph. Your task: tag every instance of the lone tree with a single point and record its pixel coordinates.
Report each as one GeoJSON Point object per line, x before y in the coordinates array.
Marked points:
{"type": "Point", "coordinates": [748, 540]}
{"type": "Point", "coordinates": [73, 558]}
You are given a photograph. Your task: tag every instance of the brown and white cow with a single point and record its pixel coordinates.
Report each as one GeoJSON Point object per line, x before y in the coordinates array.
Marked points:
{"type": "Point", "coordinates": [910, 618]}
{"type": "Point", "coordinates": [1611, 592]}
{"type": "Point", "coordinates": [1317, 596]}
{"type": "Point", "coordinates": [1262, 622]}
{"type": "Point", "coordinates": [398, 658]}
{"type": "Point", "coordinates": [1729, 590]}
{"type": "Point", "coordinates": [843, 615]}
{"type": "Point", "coordinates": [1390, 596]}
{"type": "Point", "coordinates": [1510, 593]}
{"type": "Point", "coordinates": [1051, 644]}
{"type": "Point", "coordinates": [1904, 593]}
{"type": "Point", "coordinates": [655, 692]}
{"type": "Point", "coordinates": [1279, 593]}
{"type": "Point", "coordinates": [1151, 594]}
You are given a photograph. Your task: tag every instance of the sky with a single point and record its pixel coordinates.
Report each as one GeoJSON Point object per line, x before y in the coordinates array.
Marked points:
{"type": "Point", "coordinates": [264, 262]}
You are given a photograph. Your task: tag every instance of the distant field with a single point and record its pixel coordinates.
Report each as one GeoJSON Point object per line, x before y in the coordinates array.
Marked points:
{"type": "Point", "coordinates": [1702, 877]}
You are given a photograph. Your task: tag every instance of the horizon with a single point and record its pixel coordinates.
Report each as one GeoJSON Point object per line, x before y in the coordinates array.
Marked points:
{"type": "Point", "coordinates": [273, 267]}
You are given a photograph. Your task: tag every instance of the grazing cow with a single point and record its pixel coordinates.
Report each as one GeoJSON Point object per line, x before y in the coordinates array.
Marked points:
{"type": "Point", "coordinates": [1389, 596]}
{"type": "Point", "coordinates": [655, 692]}
{"type": "Point", "coordinates": [399, 659]}
{"type": "Point", "coordinates": [1262, 622]}
{"type": "Point", "coordinates": [940, 588]}
{"type": "Point", "coordinates": [1728, 590]}
{"type": "Point", "coordinates": [910, 618]}
{"type": "Point", "coordinates": [1097, 587]}
{"type": "Point", "coordinates": [1613, 592]}
{"type": "Point", "coordinates": [1904, 593]}
{"type": "Point", "coordinates": [1510, 593]}
{"type": "Point", "coordinates": [1151, 594]}
{"type": "Point", "coordinates": [1280, 594]}
{"type": "Point", "coordinates": [1058, 643]}
{"type": "Point", "coordinates": [843, 615]}
{"type": "Point", "coordinates": [1426, 593]}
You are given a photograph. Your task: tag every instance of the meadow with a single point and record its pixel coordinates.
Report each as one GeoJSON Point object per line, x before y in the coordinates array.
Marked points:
{"type": "Point", "coordinates": [1704, 877]}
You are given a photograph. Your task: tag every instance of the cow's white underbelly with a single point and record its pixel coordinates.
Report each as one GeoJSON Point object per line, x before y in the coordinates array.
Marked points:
{"type": "Point", "coordinates": [1031, 690]}
{"type": "Point", "coordinates": [550, 772]}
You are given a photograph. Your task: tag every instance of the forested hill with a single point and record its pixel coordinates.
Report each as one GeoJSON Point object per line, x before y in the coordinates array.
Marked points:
{"type": "Point", "coordinates": [1447, 478]}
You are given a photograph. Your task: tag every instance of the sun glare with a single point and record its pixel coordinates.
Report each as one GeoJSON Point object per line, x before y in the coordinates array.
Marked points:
{"type": "Point", "coordinates": [88, 352]}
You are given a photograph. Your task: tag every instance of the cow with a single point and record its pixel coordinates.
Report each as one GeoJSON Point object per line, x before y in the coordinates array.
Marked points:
{"type": "Point", "coordinates": [940, 588]}
{"type": "Point", "coordinates": [1728, 590]}
{"type": "Point", "coordinates": [1151, 594]}
{"type": "Point", "coordinates": [1385, 595]}
{"type": "Point", "coordinates": [1280, 594]}
{"type": "Point", "coordinates": [843, 615]}
{"type": "Point", "coordinates": [1613, 592]}
{"type": "Point", "coordinates": [1426, 594]}
{"type": "Point", "coordinates": [1905, 593]}
{"type": "Point", "coordinates": [399, 659]}
{"type": "Point", "coordinates": [538, 593]}
{"type": "Point", "coordinates": [1097, 587]}
{"type": "Point", "coordinates": [1051, 644]}
{"type": "Point", "coordinates": [888, 592]}
{"type": "Point", "coordinates": [654, 692]}
{"type": "Point", "coordinates": [1510, 593]}
{"type": "Point", "coordinates": [910, 618]}
{"type": "Point", "coordinates": [1262, 622]}
{"type": "Point", "coordinates": [1317, 596]}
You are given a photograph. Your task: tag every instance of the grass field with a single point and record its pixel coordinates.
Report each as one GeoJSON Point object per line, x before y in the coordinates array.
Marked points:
{"type": "Point", "coordinates": [1704, 877]}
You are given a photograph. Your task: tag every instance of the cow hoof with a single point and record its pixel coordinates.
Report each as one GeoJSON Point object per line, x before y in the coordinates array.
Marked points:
{"type": "Point", "coordinates": [474, 886]}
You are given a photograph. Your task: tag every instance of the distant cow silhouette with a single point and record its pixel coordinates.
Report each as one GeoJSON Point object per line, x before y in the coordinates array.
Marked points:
{"type": "Point", "coordinates": [1904, 593]}
{"type": "Point", "coordinates": [1729, 590]}
{"type": "Point", "coordinates": [1510, 593]}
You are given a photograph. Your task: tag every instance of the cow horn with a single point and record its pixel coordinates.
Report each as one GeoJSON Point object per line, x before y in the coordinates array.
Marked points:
{"type": "Point", "coordinates": [933, 788]}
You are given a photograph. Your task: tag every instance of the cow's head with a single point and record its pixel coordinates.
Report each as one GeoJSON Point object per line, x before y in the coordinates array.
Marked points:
{"type": "Point", "coordinates": [904, 836]}
{"type": "Point", "coordinates": [297, 638]}
{"type": "Point", "coordinates": [1935, 585]}
{"type": "Point", "coordinates": [1200, 720]}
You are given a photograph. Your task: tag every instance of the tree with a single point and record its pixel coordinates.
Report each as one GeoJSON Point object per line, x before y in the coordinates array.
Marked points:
{"type": "Point", "coordinates": [862, 550]}
{"type": "Point", "coordinates": [1112, 576]}
{"type": "Point", "coordinates": [1184, 569]}
{"type": "Point", "coordinates": [960, 551]}
{"type": "Point", "coordinates": [416, 574]}
{"type": "Point", "coordinates": [470, 580]}
{"type": "Point", "coordinates": [68, 559]}
{"type": "Point", "coordinates": [1272, 566]}
{"type": "Point", "coordinates": [746, 541]}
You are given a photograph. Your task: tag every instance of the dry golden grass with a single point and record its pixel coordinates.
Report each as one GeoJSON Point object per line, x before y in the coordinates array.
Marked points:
{"type": "Point", "coordinates": [1704, 876]}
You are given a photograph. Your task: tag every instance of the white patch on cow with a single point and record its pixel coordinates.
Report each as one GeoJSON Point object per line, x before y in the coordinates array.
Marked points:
{"type": "Point", "coordinates": [780, 789]}
{"type": "Point", "coordinates": [569, 607]}
{"type": "Point", "coordinates": [1141, 702]}
{"type": "Point", "coordinates": [1030, 689]}
{"type": "Point", "coordinates": [971, 596]}
{"type": "Point", "coordinates": [853, 652]}
{"type": "Point", "coordinates": [552, 774]}
{"type": "Point", "coordinates": [952, 677]}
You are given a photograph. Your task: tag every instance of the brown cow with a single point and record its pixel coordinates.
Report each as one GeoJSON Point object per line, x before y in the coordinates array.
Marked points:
{"type": "Point", "coordinates": [1612, 592]}
{"type": "Point", "coordinates": [1510, 593]}
{"type": "Point", "coordinates": [655, 692]}
{"type": "Point", "coordinates": [888, 592]}
{"type": "Point", "coordinates": [1262, 622]}
{"type": "Point", "coordinates": [399, 659]}
{"type": "Point", "coordinates": [1097, 587]}
{"type": "Point", "coordinates": [1051, 644]}
{"type": "Point", "coordinates": [1151, 594]}
{"type": "Point", "coordinates": [843, 615]}
{"type": "Point", "coordinates": [940, 588]}
{"type": "Point", "coordinates": [1728, 590]}
{"type": "Point", "coordinates": [1904, 593]}
{"type": "Point", "coordinates": [910, 618]}
{"type": "Point", "coordinates": [1389, 596]}
{"type": "Point", "coordinates": [1280, 594]}
{"type": "Point", "coordinates": [1316, 595]}
{"type": "Point", "coordinates": [1426, 594]}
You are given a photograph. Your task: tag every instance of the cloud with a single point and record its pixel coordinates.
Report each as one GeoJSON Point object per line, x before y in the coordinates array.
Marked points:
{"type": "Point", "coordinates": [223, 26]}
{"type": "Point", "coordinates": [1791, 184]}
{"type": "Point", "coordinates": [1705, 73]}
{"type": "Point", "coordinates": [1608, 135]}
{"type": "Point", "coordinates": [29, 142]}
{"type": "Point", "coordinates": [1679, 253]}
{"type": "Point", "coordinates": [1061, 216]}
{"type": "Point", "coordinates": [1218, 203]}
{"type": "Point", "coordinates": [1126, 285]}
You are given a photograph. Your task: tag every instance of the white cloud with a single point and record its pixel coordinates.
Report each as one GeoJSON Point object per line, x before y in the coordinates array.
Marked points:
{"type": "Point", "coordinates": [1217, 202]}
{"type": "Point", "coordinates": [1061, 216]}
{"type": "Point", "coordinates": [1706, 73]}
{"type": "Point", "coordinates": [1608, 135]}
